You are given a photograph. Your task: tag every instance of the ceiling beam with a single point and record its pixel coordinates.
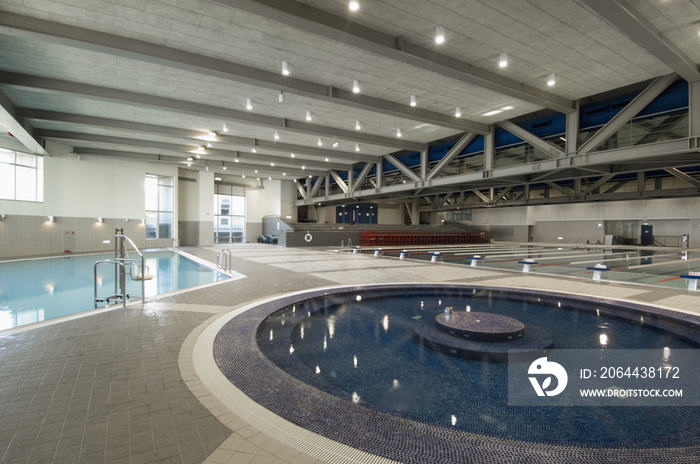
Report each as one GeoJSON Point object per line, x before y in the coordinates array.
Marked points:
{"type": "Point", "coordinates": [363, 175]}
{"type": "Point", "coordinates": [402, 167]}
{"type": "Point", "coordinates": [200, 136]}
{"type": "Point", "coordinates": [87, 39]}
{"type": "Point", "coordinates": [627, 113]}
{"type": "Point", "coordinates": [339, 180]}
{"type": "Point", "coordinates": [23, 132]}
{"type": "Point", "coordinates": [621, 15]}
{"type": "Point", "coordinates": [597, 184]}
{"type": "Point", "coordinates": [231, 168]}
{"type": "Point", "coordinates": [314, 21]}
{"type": "Point", "coordinates": [57, 86]}
{"type": "Point", "coordinates": [532, 139]}
{"type": "Point", "coordinates": [683, 176]}
{"type": "Point", "coordinates": [563, 190]}
{"type": "Point", "coordinates": [458, 147]}
{"type": "Point", "coordinates": [189, 150]}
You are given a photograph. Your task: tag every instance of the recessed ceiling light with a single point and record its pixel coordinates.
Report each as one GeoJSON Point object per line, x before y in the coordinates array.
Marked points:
{"type": "Point", "coordinates": [243, 175]}
{"type": "Point", "coordinates": [201, 149]}
{"type": "Point", "coordinates": [249, 104]}
{"type": "Point", "coordinates": [284, 173]}
{"type": "Point", "coordinates": [308, 115]}
{"type": "Point", "coordinates": [292, 155]}
{"type": "Point", "coordinates": [235, 161]}
{"type": "Point", "coordinates": [254, 150]}
{"type": "Point", "coordinates": [272, 164]}
{"type": "Point", "coordinates": [354, 5]}
{"type": "Point", "coordinates": [413, 100]}
{"type": "Point", "coordinates": [190, 159]}
{"type": "Point", "coordinates": [503, 60]}
{"type": "Point", "coordinates": [550, 79]}
{"type": "Point", "coordinates": [197, 156]}
{"type": "Point", "coordinates": [326, 159]}
{"type": "Point", "coordinates": [398, 132]}
{"type": "Point", "coordinates": [285, 68]}
{"type": "Point", "coordinates": [491, 113]}
{"type": "Point", "coordinates": [310, 177]}
{"type": "Point", "coordinates": [439, 34]}
{"type": "Point", "coordinates": [258, 177]}
{"type": "Point", "coordinates": [209, 144]}
{"type": "Point", "coordinates": [224, 167]}
{"type": "Point", "coordinates": [269, 178]}
{"type": "Point", "coordinates": [303, 167]}
{"type": "Point", "coordinates": [256, 170]}
{"type": "Point", "coordinates": [458, 112]}
{"type": "Point", "coordinates": [356, 86]}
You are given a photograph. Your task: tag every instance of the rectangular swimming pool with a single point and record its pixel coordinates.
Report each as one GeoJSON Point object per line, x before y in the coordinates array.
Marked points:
{"type": "Point", "coordinates": [39, 289]}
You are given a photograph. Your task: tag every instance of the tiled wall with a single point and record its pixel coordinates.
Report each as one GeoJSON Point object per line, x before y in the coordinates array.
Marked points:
{"type": "Point", "coordinates": [24, 236]}
{"type": "Point", "coordinates": [507, 233]}
{"type": "Point", "coordinates": [188, 232]}
{"type": "Point", "coordinates": [570, 231]}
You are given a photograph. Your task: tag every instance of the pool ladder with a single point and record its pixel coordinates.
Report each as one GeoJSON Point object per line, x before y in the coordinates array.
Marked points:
{"type": "Point", "coordinates": [120, 261]}
{"type": "Point", "coordinates": [223, 260]}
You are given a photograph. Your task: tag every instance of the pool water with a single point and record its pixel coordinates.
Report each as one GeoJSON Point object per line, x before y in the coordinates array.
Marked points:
{"type": "Point", "coordinates": [365, 352]}
{"type": "Point", "coordinates": [40, 289]}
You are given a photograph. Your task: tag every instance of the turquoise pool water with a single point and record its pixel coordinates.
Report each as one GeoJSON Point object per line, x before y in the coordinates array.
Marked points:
{"type": "Point", "coordinates": [39, 289]}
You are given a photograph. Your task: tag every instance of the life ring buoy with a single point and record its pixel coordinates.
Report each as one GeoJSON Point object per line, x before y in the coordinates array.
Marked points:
{"type": "Point", "coordinates": [308, 237]}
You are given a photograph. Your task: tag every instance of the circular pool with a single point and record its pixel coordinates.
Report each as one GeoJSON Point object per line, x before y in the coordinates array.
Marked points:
{"type": "Point", "coordinates": [348, 365]}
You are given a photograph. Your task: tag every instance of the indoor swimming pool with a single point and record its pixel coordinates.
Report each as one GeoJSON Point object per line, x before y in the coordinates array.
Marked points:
{"type": "Point", "coordinates": [35, 290]}
{"type": "Point", "coordinates": [658, 266]}
{"type": "Point", "coordinates": [356, 352]}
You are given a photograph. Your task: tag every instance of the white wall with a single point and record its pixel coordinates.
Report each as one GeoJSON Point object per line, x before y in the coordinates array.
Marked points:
{"type": "Point", "coordinates": [253, 213]}
{"type": "Point", "coordinates": [95, 186]}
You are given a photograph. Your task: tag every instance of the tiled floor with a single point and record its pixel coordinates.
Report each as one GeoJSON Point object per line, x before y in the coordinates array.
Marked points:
{"type": "Point", "coordinates": [121, 387]}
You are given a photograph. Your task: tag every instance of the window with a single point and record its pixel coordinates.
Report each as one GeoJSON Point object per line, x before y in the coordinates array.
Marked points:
{"type": "Point", "coordinates": [229, 220]}
{"type": "Point", "coordinates": [159, 206]}
{"type": "Point", "coordinates": [21, 176]}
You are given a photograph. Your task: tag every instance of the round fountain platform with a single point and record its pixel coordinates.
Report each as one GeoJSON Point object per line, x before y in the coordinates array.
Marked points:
{"type": "Point", "coordinates": [480, 326]}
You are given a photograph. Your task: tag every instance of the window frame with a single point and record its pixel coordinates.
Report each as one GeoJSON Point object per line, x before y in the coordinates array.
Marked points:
{"type": "Point", "coordinates": [38, 175]}
{"type": "Point", "coordinates": [160, 182]}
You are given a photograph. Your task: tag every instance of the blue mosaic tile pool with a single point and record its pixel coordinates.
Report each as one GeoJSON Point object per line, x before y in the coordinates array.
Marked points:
{"type": "Point", "coordinates": [393, 413]}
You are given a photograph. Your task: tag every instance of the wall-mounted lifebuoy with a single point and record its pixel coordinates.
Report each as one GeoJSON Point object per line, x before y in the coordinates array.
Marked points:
{"type": "Point", "coordinates": [308, 237]}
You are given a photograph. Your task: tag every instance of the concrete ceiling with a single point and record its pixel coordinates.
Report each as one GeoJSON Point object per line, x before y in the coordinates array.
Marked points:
{"type": "Point", "coordinates": [246, 41]}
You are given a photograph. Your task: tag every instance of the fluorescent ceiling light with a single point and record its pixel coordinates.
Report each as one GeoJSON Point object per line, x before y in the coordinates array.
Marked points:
{"type": "Point", "coordinates": [491, 113]}
{"type": "Point", "coordinates": [506, 108]}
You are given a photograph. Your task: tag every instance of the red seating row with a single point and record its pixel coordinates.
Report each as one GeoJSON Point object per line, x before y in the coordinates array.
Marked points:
{"type": "Point", "coordinates": [376, 238]}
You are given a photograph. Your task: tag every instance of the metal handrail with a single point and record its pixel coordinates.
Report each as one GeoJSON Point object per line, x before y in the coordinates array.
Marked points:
{"type": "Point", "coordinates": [119, 263]}
{"type": "Point", "coordinates": [223, 260]}
{"type": "Point", "coordinates": [116, 295]}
